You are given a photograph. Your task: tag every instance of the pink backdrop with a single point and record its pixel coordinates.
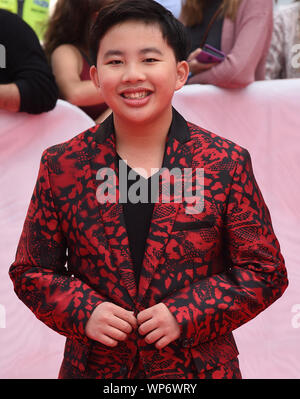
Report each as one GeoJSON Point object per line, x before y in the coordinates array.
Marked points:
{"type": "Point", "coordinates": [264, 118]}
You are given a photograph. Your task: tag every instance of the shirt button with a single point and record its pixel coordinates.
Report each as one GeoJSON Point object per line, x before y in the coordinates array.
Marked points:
{"type": "Point", "coordinates": [124, 370]}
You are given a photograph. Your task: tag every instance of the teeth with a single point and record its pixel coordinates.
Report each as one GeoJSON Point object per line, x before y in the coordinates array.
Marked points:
{"type": "Point", "coordinates": [139, 94]}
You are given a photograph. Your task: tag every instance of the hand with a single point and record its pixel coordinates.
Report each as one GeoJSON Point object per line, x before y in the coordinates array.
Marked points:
{"type": "Point", "coordinates": [10, 98]}
{"type": "Point", "coordinates": [195, 65]}
{"type": "Point", "coordinates": [110, 324]}
{"type": "Point", "coordinates": [194, 54]}
{"type": "Point", "coordinates": [159, 325]}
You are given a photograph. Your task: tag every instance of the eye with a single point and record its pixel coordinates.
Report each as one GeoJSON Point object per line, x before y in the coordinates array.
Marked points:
{"type": "Point", "coordinates": [114, 62]}
{"type": "Point", "coordinates": [150, 60]}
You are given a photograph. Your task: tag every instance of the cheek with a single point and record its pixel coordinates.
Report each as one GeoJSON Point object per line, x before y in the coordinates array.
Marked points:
{"type": "Point", "coordinates": [167, 84]}
{"type": "Point", "coordinates": [107, 85]}
{"type": "Point", "coordinates": [167, 79]}
{"type": "Point", "coordinates": [105, 80]}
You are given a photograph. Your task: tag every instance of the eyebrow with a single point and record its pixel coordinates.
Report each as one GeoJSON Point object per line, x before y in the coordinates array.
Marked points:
{"type": "Point", "coordinates": [151, 50]}
{"type": "Point", "coordinates": [110, 53]}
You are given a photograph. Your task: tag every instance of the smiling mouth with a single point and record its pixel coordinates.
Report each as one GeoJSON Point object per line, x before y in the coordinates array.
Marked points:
{"type": "Point", "coordinates": [136, 95]}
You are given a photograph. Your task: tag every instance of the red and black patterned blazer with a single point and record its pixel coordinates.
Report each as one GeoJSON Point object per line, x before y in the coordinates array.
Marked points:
{"type": "Point", "coordinates": [214, 270]}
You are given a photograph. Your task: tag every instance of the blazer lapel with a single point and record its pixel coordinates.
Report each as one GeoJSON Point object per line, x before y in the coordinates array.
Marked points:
{"type": "Point", "coordinates": [178, 155]}
{"type": "Point", "coordinates": [105, 176]}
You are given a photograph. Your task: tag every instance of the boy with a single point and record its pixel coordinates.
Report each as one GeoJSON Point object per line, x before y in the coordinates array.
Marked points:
{"type": "Point", "coordinates": [152, 289]}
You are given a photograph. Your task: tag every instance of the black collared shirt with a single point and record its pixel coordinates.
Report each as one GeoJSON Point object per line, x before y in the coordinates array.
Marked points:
{"type": "Point", "coordinates": [137, 216]}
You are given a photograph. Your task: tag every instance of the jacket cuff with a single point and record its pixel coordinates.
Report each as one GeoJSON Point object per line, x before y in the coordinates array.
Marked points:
{"type": "Point", "coordinates": [187, 337]}
{"type": "Point", "coordinates": [72, 321]}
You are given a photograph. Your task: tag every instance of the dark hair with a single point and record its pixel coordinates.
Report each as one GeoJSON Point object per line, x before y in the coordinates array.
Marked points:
{"type": "Point", "coordinates": [70, 24]}
{"type": "Point", "coordinates": [192, 11]}
{"type": "Point", "coordinates": [147, 11]}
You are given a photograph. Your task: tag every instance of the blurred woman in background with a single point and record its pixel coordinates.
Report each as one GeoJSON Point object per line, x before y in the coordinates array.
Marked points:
{"type": "Point", "coordinates": [66, 45]}
{"type": "Point", "coordinates": [283, 61]}
{"type": "Point", "coordinates": [242, 29]}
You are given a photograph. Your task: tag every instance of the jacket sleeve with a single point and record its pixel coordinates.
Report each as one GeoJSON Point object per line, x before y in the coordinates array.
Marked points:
{"type": "Point", "coordinates": [40, 277]}
{"type": "Point", "coordinates": [238, 68]}
{"type": "Point", "coordinates": [29, 69]}
{"type": "Point", "coordinates": [255, 276]}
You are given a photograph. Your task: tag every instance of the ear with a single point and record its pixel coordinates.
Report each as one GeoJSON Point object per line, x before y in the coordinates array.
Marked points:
{"type": "Point", "coordinates": [94, 76]}
{"type": "Point", "coordinates": [182, 74]}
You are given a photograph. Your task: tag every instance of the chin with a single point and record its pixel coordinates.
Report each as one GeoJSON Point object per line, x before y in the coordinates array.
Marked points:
{"type": "Point", "coordinates": [138, 117]}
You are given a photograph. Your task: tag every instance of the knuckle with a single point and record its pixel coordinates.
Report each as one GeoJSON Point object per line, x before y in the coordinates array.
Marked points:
{"type": "Point", "coordinates": [109, 306]}
{"type": "Point", "coordinates": [105, 317]}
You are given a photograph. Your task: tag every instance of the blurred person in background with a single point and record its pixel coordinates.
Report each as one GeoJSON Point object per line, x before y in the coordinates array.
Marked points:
{"type": "Point", "coordinates": [26, 80]}
{"type": "Point", "coordinates": [283, 61]}
{"type": "Point", "coordinates": [241, 29]}
{"type": "Point", "coordinates": [66, 46]}
{"type": "Point", "coordinates": [34, 13]}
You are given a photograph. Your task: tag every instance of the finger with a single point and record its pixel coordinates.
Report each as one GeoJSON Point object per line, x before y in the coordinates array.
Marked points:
{"type": "Point", "coordinates": [125, 315]}
{"type": "Point", "coordinates": [154, 335]}
{"type": "Point", "coordinates": [194, 53]}
{"type": "Point", "coordinates": [114, 333]}
{"type": "Point", "coordinates": [144, 315]}
{"type": "Point", "coordinates": [194, 66]}
{"type": "Point", "coordinates": [120, 324]}
{"type": "Point", "coordinates": [132, 320]}
{"type": "Point", "coordinates": [161, 343]}
{"type": "Point", "coordinates": [147, 326]}
{"type": "Point", "coordinates": [206, 66]}
{"type": "Point", "coordinates": [194, 63]}
{"type": "Point", "coordinates": [105, 340]}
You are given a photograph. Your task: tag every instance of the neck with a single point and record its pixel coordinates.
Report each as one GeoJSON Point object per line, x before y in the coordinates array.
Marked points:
{"type": "Point", "coordinates": [142, 136]}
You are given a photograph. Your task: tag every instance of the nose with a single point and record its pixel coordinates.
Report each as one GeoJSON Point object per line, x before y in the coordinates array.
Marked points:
{"type": "Point", "coordinates": [133, 72]}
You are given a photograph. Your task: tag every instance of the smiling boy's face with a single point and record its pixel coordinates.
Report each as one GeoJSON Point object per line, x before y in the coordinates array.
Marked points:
{"type": "Point", "coordinates": [137, 72]}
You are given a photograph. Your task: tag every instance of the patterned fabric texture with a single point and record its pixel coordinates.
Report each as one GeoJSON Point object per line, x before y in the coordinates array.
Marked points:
{"type": "Point", "coordinates": [215, 269]}
{"type": "Point", "coordinates": [283, 61]}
